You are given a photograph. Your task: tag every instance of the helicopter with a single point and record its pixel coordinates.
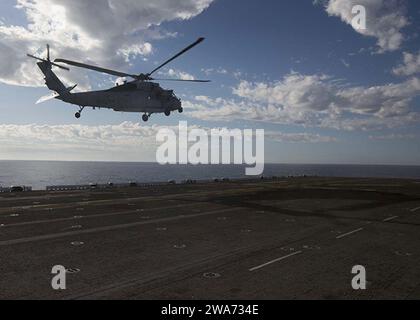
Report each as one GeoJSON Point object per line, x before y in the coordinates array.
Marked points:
{"type": "Point", "coordinates": [141, 95]}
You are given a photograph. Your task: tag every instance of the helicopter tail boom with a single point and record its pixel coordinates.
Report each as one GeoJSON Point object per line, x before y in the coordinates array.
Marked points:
{"type": "Point", "coordinates": [51, 80]}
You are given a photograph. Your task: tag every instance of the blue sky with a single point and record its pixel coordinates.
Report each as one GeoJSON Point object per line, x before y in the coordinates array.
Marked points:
{"type": "Point", "coordinates": [323, 91]}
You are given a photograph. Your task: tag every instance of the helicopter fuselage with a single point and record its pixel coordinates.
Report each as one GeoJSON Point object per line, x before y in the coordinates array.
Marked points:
{"type": "Point", "coordinates": [146, 97]}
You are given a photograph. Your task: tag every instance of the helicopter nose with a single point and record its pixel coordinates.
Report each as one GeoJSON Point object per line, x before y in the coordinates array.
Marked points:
{"type": "Point", "coordinates": [177, 103]}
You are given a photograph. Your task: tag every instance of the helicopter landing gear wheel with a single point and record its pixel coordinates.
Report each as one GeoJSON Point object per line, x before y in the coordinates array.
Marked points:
{"type": "Point", "coordinates": [181, 110]}
{"type": "Point", "coordinates": [167, 113]}
{"type": "Point", "coordinates": [79, 113]}
{"type": "Point", "coordinates": [145, 118]}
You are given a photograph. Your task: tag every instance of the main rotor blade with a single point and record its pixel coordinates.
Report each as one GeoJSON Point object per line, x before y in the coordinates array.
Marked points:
{"type": "Point", "coordinates": [33, 57]}
{"type": "Point", "coordinates": [177, 55]}
{"type": "Point", "coordinates": [54, 64]}
{"type": "Point", "coordinates": [181, 80]}
{"type": "Point", "coordinates": [95, 68]}
{"type": "Point", "coordinates": [61, 67]}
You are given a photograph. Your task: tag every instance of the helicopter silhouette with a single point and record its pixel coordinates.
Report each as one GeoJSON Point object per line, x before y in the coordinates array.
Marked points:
{"type": "Point", "coordinates": [142, 94]}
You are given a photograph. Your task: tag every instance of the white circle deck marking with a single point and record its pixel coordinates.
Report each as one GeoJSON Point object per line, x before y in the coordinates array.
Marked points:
{"type": "Point", "coordinates": [77, 243]}
{"type": "Point", "coordinates": [14, 215]}
{"type": "Point", "coordinates": [180, 246]}
{"type": "Point", "coordinates": [211, 275]}
{"type": "Point", "coordinates": [403, 254]}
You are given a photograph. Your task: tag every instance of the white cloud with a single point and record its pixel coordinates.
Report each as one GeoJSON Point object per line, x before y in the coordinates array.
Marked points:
{"type": "Point", "coordinates": [371, 123]}
{"type": "Point", "coordinates": [134, 50]}
{"type": "Point", "coordinates": [385, 19]}
{"type": "Point", "coordinates": [314, 100]}
{"type": "Point", "coordinates": [103, 32]}
{"type": "Point", "coordinates": [345, 63]}
{"type": "Point", "coordinates": [122, 135]}
{"type": "Point", "coordinates": [124, 142]}
{"type": "Point", "coordinates": [410, 66]}
{"type": "Point", "coordinates": [299, 137]}
{"type": "Point", "coordinates": [211, 71]}
{"type": "Point", "coordinates": [393, 136]}
{"type": "Point", "coordinates": [127, 141]}
{"type": "Point", "coordinates": [177, 74]}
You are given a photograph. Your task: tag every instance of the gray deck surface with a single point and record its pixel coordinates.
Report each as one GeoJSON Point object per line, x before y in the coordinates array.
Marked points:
{"type": "Point", "coordinates": [292, 238]}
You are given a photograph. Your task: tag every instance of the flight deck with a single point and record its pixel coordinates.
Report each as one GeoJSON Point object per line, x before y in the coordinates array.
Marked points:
{"type": "Point", "coordinates": [282, 238]}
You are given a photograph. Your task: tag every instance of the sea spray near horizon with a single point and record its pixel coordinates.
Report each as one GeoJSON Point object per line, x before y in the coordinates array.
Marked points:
{"type": "Point", "coordinates": [40, 174]}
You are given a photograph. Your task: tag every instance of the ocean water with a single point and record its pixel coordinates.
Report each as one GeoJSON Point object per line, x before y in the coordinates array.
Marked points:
{"type": "Point", "coordinates": [39, 174]}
